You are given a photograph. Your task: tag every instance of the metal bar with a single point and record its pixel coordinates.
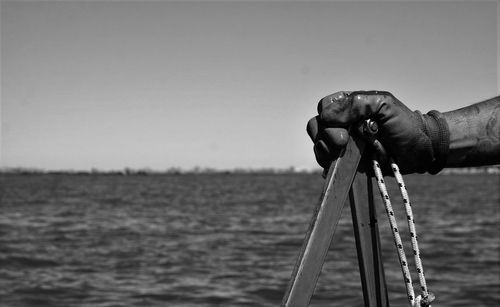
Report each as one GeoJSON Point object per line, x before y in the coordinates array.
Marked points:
{"type": "Point", "coordinates": [364, 219]}
{"type": "Point", "coordinates": [323, 225]}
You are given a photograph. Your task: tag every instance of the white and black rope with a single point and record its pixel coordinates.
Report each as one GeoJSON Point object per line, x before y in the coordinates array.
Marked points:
{"type": "Point", "coordinates": [425, 298]}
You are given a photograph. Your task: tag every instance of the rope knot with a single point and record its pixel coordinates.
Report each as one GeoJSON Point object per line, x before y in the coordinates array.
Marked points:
{"type": "Point", "coordinates": [424, 301]}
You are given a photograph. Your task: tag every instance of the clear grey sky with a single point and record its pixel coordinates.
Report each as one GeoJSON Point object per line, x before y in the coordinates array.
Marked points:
{"type": "Point", "coordinates": [221, 84]}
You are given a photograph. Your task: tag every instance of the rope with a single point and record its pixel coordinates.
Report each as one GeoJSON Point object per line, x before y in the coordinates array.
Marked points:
{"type": "Point", "coordinates": [425, 299]}
{"type": "Point", "coordinates": [411, 226]}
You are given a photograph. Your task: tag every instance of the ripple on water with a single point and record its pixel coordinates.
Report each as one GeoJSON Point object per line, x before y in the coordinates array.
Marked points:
{"type": "Point", "coordinates": [226, 241]}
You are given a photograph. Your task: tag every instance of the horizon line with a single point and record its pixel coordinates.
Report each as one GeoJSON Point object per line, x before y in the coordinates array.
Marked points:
{"type": "Point", "coordinates": [150, 170]}
{"type": "Point", "coordinates": [489, 169]}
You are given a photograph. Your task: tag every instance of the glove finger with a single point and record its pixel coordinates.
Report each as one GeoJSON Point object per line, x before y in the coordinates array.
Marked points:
{"type": "Point", "coordinates": [335, 137]}
{"type": "Point", "coordinates": [366, 104]}
{"type": "Point", "coordinates": [376, 99]}
{"type": "Point", "coordinates": [333, 110]}
{"type": "Point", "coordinates": [333, 98]}
{"type": "Point", "coordinates": [313, 128]}
{"type": "Point", "coordinates": [326, 154]}
{"type": "Point", "coordinates": [339, 110]}
{"type": "Point", "coordinates": [322, 154]}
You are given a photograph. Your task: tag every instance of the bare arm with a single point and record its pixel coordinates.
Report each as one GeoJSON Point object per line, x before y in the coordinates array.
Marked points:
{"type": "Point", "coordinates": [474, 134]}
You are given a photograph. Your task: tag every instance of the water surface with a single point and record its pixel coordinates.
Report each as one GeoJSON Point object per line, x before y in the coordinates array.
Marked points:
{"type": "Point", "coordinates": [227, 240]}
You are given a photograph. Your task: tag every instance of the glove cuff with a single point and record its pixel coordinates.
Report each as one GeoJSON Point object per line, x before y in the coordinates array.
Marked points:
{"type": "Point", "coordinates": [436, 128]}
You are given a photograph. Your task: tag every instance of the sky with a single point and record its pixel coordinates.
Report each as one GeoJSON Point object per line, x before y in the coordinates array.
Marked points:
{"type": "Point", "coordinates": [157, 84]}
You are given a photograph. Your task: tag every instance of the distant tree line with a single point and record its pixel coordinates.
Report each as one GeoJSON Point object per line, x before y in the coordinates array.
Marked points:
{"type": "Point", "coordinates": [207, 170]}
{"type": "Point", "coordinates": [148, 171]}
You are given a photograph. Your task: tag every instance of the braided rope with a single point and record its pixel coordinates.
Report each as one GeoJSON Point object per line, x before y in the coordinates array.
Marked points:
{"type": "Point", "coordinates": [426, 297]}
{"type": "Point", "coordinates": [395, 232]}
{"type": "Point", "coordinates": [411, 226]}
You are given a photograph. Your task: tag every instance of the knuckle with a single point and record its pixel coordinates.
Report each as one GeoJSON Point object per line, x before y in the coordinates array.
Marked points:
{"type": "Point", "coordinates": [331, 99]}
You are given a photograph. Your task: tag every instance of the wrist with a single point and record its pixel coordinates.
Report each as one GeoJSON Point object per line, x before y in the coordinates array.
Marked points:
{"type": "Point", "coordinates": [436, 128]}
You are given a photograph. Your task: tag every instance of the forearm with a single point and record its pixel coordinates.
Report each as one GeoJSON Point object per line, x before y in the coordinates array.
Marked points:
{"type": "Point", "coordinates": [474, 134]}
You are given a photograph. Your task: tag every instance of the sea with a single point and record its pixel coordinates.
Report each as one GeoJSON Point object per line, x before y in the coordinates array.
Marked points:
{"type": "Point", "coordinates": [229, 240]}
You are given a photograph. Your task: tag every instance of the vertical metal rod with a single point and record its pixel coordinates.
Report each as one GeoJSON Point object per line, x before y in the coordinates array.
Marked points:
{"type": "Point", "coordinates": [364, 219]}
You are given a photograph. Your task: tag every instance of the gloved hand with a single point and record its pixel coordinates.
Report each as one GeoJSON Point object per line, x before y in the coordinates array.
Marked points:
{"type": "Point", "coordinates": [417, 142]}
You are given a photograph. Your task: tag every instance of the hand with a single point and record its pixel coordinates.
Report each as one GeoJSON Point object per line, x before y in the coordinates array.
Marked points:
{"type": "Point", "coordinates": [413, 140]}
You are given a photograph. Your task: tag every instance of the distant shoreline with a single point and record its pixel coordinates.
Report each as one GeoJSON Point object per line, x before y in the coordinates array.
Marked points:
{"type": "Point", "coordinates": [209, 171]}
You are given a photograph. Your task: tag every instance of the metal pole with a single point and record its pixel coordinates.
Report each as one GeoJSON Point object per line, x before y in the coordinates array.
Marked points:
{"type": "Point", "coordinates": [366, 233]}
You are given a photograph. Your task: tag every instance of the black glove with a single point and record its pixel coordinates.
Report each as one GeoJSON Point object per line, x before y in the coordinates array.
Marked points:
{"type": "Point", "coordinates": [417, 142]}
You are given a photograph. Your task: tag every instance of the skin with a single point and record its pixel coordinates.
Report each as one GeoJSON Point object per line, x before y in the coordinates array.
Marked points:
{"type": "Point", "coordinates": [474, 134]}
